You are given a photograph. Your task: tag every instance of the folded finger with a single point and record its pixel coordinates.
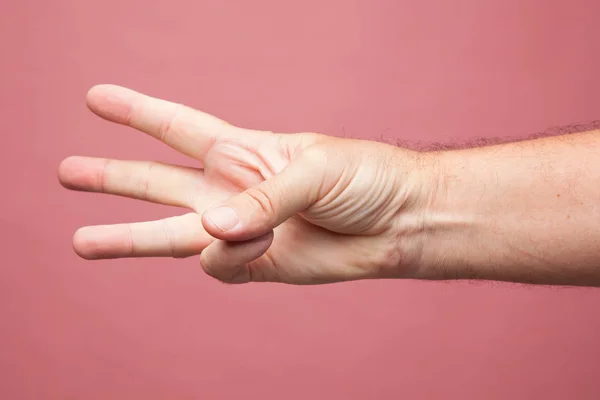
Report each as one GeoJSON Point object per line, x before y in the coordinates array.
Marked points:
{"type": "Point", "coordinates": [229, 261]}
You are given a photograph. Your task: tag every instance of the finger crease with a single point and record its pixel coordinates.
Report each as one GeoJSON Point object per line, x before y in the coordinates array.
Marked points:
{"type": "Point", "coordinates": [263, 200]}
{"type": "Point", "coordinates": [250, 272]}
{"type": "Point", "coordinates": [146, 183]}
{"type": "Point", "coordinates": [102, 177]}
{"type": "Point", "coordinates": [169, 238]}
{"type": "Point", "coordinates": [131, 242]}
{"type": "Point", "coordinates": [165, 129]}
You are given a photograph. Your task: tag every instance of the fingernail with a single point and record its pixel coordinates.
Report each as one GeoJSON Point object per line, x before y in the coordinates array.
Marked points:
{"type": "Point", "coordinates": [223, 217]}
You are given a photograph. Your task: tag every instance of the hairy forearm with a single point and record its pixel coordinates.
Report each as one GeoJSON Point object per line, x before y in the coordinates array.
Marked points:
{"type": "Point", "coordinates": [523, 212]}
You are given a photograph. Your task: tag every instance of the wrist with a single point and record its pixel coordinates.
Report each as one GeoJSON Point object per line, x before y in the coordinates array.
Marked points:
{"type": "Point", "coordinates": [439, 231]}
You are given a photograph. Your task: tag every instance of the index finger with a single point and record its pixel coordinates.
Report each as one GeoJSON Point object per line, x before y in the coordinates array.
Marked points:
{"type": "Point", "coordinates": [188, 131]}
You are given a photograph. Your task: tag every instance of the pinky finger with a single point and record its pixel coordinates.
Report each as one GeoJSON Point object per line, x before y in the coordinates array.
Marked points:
{"type": "Point", "coordinates": [177, 237]}
{"type": "Point", "coordinates": [228, 261]}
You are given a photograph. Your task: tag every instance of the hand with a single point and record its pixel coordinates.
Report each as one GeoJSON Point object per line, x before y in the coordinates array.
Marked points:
{"type": "Point", "coordinates": [299, 208]}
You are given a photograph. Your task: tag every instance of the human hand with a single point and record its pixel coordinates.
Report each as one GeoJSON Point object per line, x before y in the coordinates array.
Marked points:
{"type": "Point", "coordinates": [301, 208]}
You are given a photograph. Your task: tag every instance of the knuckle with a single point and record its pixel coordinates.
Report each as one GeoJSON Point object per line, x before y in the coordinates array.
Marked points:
{"type": "Point", "coordinates": [145, 189]}
{"type": "Point", "coordinates": [103, 176]}
{"type": "Point", "coordinates": [219, 274]}
{"type": "Point", "coordinates": [208, 268]}
{"type": "Point", "coordinates": [259, 197]}
{"type": "Point", "coordinates": [318, 155]}
{"type": "Point", "coordinates": [168, 126]}
{"type": "Point", "coordinates": [169, 238]}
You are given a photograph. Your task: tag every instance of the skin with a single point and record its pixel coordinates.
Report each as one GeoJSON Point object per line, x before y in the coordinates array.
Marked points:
{"type": "Point", "coordinates": [524, 212]}
{"type": "Point", "coordinates": [307, 208]}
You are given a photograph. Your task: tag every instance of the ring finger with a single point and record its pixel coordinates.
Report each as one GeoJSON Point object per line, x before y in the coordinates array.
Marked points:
{"type": "Point", "coordinates": [177, 237]}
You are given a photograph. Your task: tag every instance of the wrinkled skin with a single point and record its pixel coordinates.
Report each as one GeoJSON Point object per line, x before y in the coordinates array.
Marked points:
{"type": "Point", "coordinates": [312, 208]}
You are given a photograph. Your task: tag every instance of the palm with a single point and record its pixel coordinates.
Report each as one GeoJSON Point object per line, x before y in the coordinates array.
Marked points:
{"type": "Point", "coordinates": [232, 161]}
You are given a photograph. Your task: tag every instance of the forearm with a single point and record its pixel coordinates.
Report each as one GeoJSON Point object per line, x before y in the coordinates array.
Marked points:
{"type": "Point", "coordinates": [524, 212]}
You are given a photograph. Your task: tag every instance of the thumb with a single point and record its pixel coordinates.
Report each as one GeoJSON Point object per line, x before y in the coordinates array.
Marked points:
{"type": "Point", "coordinates": [261, 208]}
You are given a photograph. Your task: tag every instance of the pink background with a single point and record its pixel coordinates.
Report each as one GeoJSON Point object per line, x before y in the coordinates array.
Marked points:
{"type": "Point", "coordinates": [393, 69]}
